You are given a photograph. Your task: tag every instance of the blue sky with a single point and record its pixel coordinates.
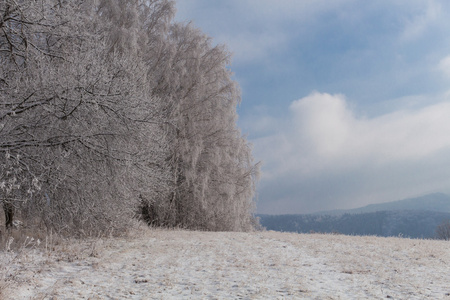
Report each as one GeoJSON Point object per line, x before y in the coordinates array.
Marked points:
{"type": "Point", "coordinates": [346, 102]}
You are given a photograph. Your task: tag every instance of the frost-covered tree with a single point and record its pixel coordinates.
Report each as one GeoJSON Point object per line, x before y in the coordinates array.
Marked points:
{"type": "Point", "coordinates": [108, 107]}
{"type": "Point", "coordinates": [77, 117]}
{"type": "Point", "coordinates": [212, 168]}
{"type": "Point", "coordinates": [29, 37]}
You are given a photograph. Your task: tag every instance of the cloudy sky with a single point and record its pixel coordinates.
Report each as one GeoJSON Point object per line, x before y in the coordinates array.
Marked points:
{"type": "Point", "coordinates": [346, 102]}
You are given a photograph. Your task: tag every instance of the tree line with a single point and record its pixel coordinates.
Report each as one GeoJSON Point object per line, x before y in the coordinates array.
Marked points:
{"type": "Point", "coordinates": [405, 223]}
{"type": "Point", "coordinates": [111, 110]}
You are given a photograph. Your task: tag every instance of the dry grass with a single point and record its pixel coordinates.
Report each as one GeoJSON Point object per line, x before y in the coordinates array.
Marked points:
{"type": "Point", "coordinates": [27, 252]}
{"type": "Point", "coordinates": [16, 245]}
{"type": "Point", "coordinates": [209, 265]}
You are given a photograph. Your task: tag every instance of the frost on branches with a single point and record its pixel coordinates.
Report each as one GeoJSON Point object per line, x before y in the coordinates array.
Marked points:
{"type": "Point", "coordinates": [109, 110]}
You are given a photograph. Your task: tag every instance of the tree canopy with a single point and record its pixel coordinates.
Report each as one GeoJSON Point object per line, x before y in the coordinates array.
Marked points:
{"type": "Point", "coordinates": [110, 110]}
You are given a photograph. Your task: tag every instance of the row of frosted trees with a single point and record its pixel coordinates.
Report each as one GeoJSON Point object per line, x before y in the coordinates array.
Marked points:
{"type": "Point", "coordinates": [110, 110]}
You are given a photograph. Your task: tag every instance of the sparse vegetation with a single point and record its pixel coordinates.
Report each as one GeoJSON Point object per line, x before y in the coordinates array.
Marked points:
{"type": "Point", "coordinates": [443, 231]}
{"type": "Point", "coordinates": [189, 264]}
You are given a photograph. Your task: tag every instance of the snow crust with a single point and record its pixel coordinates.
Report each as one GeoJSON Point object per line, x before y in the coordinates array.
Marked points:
{"type": "Point", "coordinates": [177, 264]}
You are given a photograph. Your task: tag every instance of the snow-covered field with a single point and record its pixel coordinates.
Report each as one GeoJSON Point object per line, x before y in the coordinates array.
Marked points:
{"type": "Point", "coordinates": [177, 264]}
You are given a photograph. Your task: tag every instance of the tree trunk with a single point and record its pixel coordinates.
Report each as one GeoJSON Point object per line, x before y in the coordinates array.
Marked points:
{"type": "Point", "coordinates": [9, 214]}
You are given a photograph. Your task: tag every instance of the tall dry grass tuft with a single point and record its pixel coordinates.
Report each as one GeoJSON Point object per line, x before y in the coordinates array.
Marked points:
{"type": "Point", "coordinates": [14, 244]}
{"type": "Point", "coordinates": [25, 247]}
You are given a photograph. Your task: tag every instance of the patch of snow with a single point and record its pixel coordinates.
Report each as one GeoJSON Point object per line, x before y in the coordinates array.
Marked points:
{"type": "Point", "coordinates": [177, 264]}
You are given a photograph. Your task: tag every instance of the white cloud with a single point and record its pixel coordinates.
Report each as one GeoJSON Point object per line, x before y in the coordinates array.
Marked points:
{"type": "Point", "coordinates": [444, 66]}
{"type": "Point", "coordinates": [417, 25]}
{"type": "Point", "coordinates": [323, 121]}
{"type": "Point", "coordinates": [354, 157]}
{"type": "Point", "coordinates": [325, 130]}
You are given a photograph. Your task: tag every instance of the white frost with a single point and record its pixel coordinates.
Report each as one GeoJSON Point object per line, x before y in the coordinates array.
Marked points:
{"type": "Point", "coordinates": [166, 264]}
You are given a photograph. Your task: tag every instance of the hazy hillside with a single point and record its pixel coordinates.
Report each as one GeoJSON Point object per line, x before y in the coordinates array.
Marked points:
{"type": "Point", "coordinates": [174, 264]}
{"type": "Point", "coordinates": [432, 202]}
{"type": "Point", "coordinates": [413, 224]}
{"type": "Point", "coordinates": [415, 218]}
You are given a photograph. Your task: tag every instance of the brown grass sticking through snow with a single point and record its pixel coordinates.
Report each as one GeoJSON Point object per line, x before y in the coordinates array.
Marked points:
{"type": "Point", "coordinates": [176, 264]}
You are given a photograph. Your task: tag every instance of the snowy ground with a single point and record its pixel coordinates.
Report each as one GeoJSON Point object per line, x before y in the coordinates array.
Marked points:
{"type": "Point", "coordinates": [166, 264]}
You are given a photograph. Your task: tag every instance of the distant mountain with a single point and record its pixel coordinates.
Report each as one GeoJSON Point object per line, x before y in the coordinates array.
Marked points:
{"type": "Point", "coordinates": [432, 202]}
{"type": "Point", "coordinates": [413, 217]}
